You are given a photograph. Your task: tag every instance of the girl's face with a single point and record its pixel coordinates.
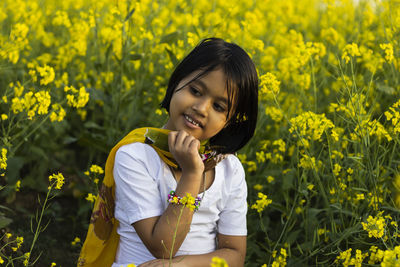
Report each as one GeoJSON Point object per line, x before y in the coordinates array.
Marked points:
{"type": "Point", "coordinates": [201, 107]}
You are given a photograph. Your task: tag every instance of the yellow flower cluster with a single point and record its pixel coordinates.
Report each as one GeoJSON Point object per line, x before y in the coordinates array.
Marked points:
{"type": "Point", "coordinates": [348, 260]}
{"type": "Point", "coordinates": [279, 261]}
{"type": "Point", "coordinates": [75, 98]}
{"type": "Point", "coordinates": [375, 226]}
{"type": "Point", "coordinates": [32, 103]}
{"type": "Point", "coordinates": [58, 180]}
{"type": "Point", "coordinates": [188, 201]}
{"type": "Point", "coordinates": [350, 50]}
{"type": "Point", "coordinates": [96, 169]}
{"type": "Point", "coordinates": [3, 159]}
{"type": "Point", "coordinates": [276, 151]}
{"type": "Point", "coordinates": [386, 258]}
{"type": "Point", "coordinates": [261, 203]}
{"type": "Point", "coordinates": [310, 126]}
{"type": "Point", "coordinates": [307, 162]}
{"type": "Point", "coordinates": [393, 115]}
{"type": "Point", "coordinates": [218, 262]}
{"type": "Point", "coordinates": [75, 241]}
{"type": "Point", "coordinates": [269, 86]}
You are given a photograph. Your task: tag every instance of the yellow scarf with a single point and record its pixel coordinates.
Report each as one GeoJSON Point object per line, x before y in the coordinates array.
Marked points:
{"type": "Point", "coordinates": [102, 239]}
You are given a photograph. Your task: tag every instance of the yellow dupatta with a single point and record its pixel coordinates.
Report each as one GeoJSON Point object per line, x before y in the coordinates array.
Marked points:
{"type": "Point", "coordinates": [100, 246]}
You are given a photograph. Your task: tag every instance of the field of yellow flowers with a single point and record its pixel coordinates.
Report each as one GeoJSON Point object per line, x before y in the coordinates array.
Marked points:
{"type": "Point", "coordinates": [323, 169]}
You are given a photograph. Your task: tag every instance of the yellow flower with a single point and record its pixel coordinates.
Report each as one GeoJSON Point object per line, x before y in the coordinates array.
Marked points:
{"type": "Point", "coordinates": [261, 203]}
{"type": "Point", "coordinates": [44, 99]}
{"type": "Point", "coordinates": [1, 260]}
{"type": "Point", "coordinates": [60, 180]}
{"type": "Point", "coordinates": [96, 169]}
{"type": "Point", "coordinates": [46, 73]}
{"type": "Point", "coordinates": [4, 117]}
{"type": "Point", "coordinates": [388, 48]}
{"type": "Point", "coordinates": [350, 50]}
{"type": "Point", "coordinates": [270, 179]}
{"type": "Point", "coordinates": [218, 262]}
{"type": "Point", "coordinates": [61, 113]}
{"type": "Point", "coordinates": [280, 261]}
{"type": "Point", "coordinates": [258, 187]}
{"type": "Point", "coordinates": [76, 240]}
{"type": "Point", "coordinates": [53, 264]}
{"type": "Point", "coordinates": [3, 159]}
{"type": "Point", "coordinates": [26, 256]}
{"type": "Point", "coordinates": [91, 198]}
{"type": "Point", "coordinates": [269, 86]}
{"type": "Point", "coordinates": [375, 226]}
{"type": "Point", "coordinates": [17, 185]}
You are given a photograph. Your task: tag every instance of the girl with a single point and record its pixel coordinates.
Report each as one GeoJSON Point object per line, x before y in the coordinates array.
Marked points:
{"type": "Point", "coordinates": [153, 173]}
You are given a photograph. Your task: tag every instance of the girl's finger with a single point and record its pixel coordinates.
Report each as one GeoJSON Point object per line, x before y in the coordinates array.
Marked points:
{"type": "Point", "coordinates": [172, 139]}
{"type": "Point", "coordinates": [180, 138]}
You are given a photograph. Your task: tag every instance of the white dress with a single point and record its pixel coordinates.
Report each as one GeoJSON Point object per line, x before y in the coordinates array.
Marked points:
{"type": "Point", "coordinates": [142, 184]}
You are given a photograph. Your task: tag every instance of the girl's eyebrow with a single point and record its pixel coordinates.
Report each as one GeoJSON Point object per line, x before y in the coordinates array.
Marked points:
{"type": "Point", "coordinates": [202, 84]}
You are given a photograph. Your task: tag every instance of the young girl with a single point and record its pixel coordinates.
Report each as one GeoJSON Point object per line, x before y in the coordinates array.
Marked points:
{"type": "Point", "coordinates": [152, 173]}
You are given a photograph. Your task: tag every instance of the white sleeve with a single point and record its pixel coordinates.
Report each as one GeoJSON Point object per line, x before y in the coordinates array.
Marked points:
{"type": "Point", "coordinates": [136, 189]}
{"type": "Point", "coordinates": [233, 217]}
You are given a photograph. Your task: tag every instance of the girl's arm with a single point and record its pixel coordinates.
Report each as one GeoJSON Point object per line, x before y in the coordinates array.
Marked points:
{"type": "Point", "coordinates": [230, 248]}
{"type": "Point", "coordinates": [158, 233]}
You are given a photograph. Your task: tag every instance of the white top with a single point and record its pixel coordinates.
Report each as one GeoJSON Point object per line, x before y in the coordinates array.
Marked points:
{"type": "Point", "coordinates": [142, 184]}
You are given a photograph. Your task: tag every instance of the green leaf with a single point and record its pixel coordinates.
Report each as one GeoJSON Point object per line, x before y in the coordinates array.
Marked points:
{"type": "Point", "coordinates": [4, 221]}
{"type": "Point", "coordinates": [386, 89]}
{"type": "Point", "coordinates": [170, 38]}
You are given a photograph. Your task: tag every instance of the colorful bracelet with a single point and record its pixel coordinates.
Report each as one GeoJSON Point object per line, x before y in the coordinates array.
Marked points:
{"type": "Point", "coordinates": [188, 201]}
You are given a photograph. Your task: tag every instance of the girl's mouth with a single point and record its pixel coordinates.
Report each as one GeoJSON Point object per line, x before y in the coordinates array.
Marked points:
{"type": "Point", "coordinates": [192, 121]}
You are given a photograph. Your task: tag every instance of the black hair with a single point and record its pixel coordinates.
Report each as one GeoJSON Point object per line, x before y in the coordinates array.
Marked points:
{"type": "Point", "coordinates": [242, 87]}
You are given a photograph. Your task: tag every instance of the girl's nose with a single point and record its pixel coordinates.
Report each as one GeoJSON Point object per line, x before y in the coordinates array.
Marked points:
{"type": "Point", "coordinates": [201, 106]}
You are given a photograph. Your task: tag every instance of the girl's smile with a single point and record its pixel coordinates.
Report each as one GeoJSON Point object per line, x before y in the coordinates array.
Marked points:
{"type": "Point", "coordinates": [201, 106]}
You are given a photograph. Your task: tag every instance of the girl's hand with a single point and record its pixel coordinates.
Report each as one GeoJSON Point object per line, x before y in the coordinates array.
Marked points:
{"type": "Point", "coordinates": [185, 149]}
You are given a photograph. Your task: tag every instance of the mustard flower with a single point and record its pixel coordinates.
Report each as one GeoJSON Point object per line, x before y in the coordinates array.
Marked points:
{"type": "Point", "coordinates": [3, 159]}
{"type": "Point", "coordinates": [261, 203]}
{"type": "Point", "coordinates": [44, 100]}
{"type": "Point", "coordinates": [279, 261]}
{"type": "Point", "coordinates": [96, 169]}
{"type": "Point", "coordinates": [270, 179]}
{"type": "Point", "coordinates": [26, 256]}
{"type": "Point", "coordinates": [46, 73]}
{"type": "Point", "coordinates": [375, 226]}
{"type": "Point", "coordinates": [258, 187]}
{"type": "Point", "coordinates": [76, 241]}
{"type": "Point", "coordinates": [53, 264]}
{"type": "Point", "coordinates": [350, 50]}
{"type": "Point", "coordinates": [17, 185]}
{"type": "Point", "coordinates": [310, 125]}
{"type": "Point", "coordinates": [218, 262]}
{"type": "Point", "coordinates": [59, 180]}
{"type": "Point", "coordinates": [91, 198]}
{"type": "Point", "coordinates": [1, 260]}
{"type": "Point", "coordinates": [388, 48]}
{"type": "Point", "coordinates": [61, 113]}
{"type": "Point", "coordinates": [4, 117]}
{"type": "Point", "coordinates": [269, 86]}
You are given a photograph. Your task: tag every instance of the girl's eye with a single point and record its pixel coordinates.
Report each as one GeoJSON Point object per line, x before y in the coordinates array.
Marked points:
{"type": "Point", "coordinates": [219, 107]}
{"type": "Point", "coordinates": [194, 91]}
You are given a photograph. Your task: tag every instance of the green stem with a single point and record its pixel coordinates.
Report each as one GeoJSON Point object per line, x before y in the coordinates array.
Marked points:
{"type": "Point", "coordinates": [33, 130]}
{"type": "Point", "coordinates": [37, 231]}
{"type": "Point", "coordinates": [174, 236]}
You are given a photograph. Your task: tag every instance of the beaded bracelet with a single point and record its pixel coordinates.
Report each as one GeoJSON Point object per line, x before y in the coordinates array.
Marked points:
{"type": "Point", "coordinates": [188, 201]}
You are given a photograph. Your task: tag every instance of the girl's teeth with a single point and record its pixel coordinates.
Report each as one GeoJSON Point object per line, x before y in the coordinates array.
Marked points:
{"type": "Point", "coordinates": [191, 121]}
